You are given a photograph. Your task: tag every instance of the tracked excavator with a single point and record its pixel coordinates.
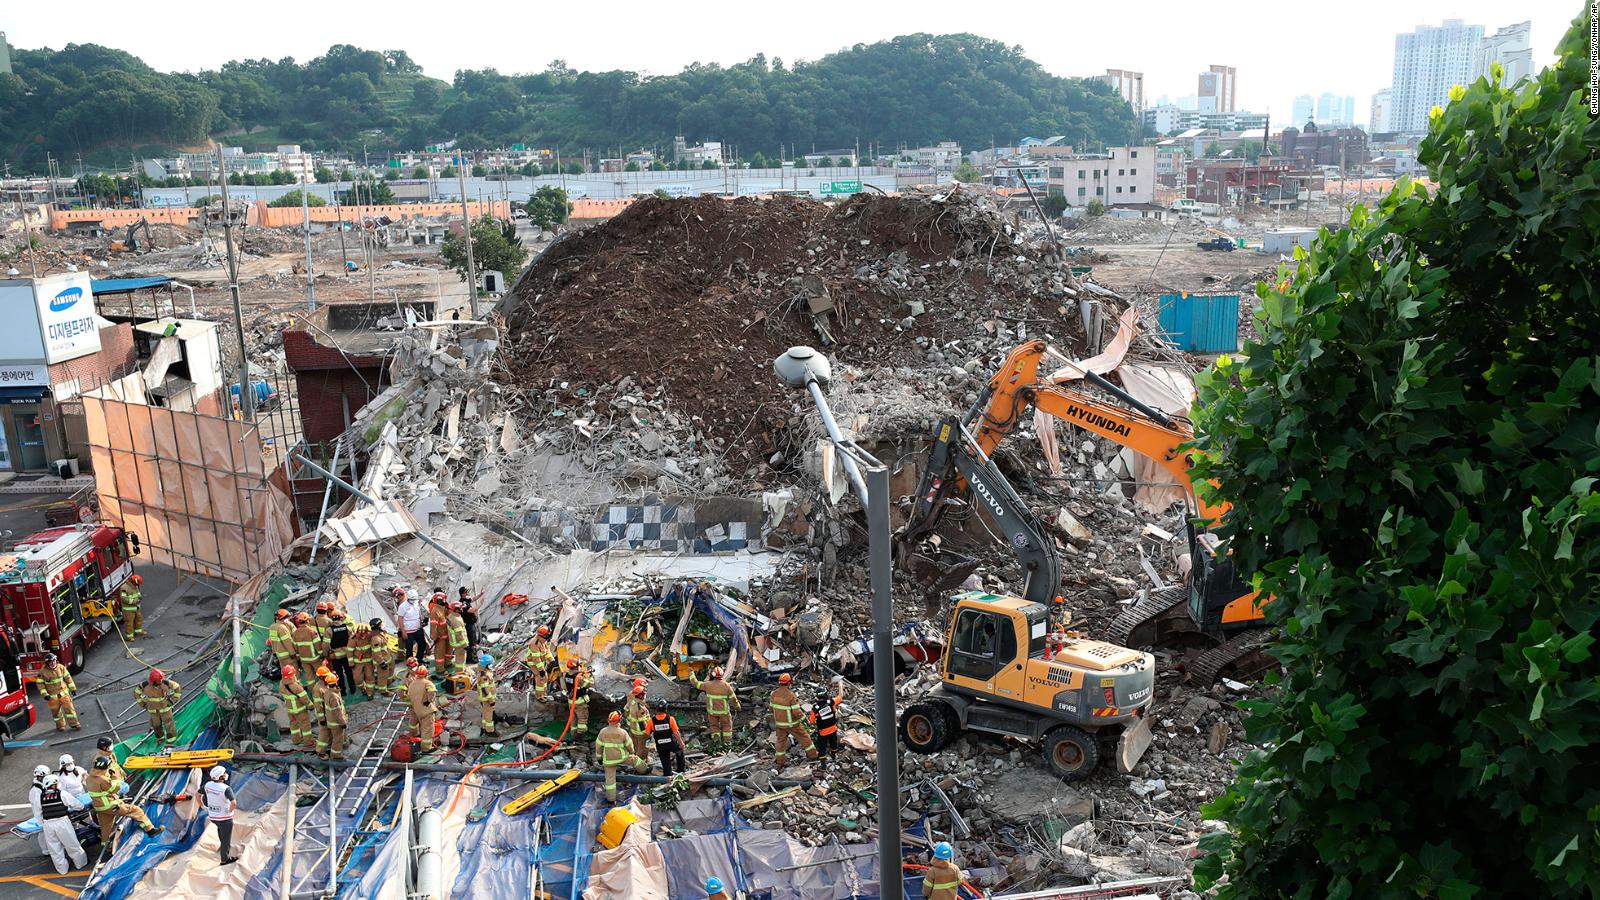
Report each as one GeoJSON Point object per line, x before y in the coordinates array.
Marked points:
{"type": "Point", "coordinates": [1216, 608]}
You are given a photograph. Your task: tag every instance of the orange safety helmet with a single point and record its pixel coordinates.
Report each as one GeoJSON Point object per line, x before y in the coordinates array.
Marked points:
{"type": "Point", "coordinates": [288, 671]}
{"type": "Point", "coordinates": [716, 671]}
{"type": "Point", "coordinates": [323, 671]}
{"type": "Point", "coordinates": [156, 676]}
{"type": "Point", "coordinates": [324, 605]}
{"type": "Point", "coordinates": [572, 663]}
{"type": "Point", "coordinates": [282, 614]}
{"type": "Point", "coordinates": [397, 591]}
{"type": "Point", "coordinates": [544, 631]}
{"type": "Point", "coordinates": [455, 605]}
{"type": "Point", "coordinates": [614, 718]}
{"type": "Point", "coordinates": [335, 612]}
{"type": "Point", "coordinates": [785, 678]}
{"type": "Point", "coordinates": [640, 682]}
{"type": "Point", "coordinates": [638, 690]}
{"type": "Point", "coordinates": [420, 670]}
{"type": "Point", "coordinates": [330, 678]}
{"type": "Point", "coordinates": [302, 617]}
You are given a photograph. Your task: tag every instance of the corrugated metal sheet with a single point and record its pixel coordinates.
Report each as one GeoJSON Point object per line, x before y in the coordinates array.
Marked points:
{"type": "Point", "coordinates": [1201, 323]}
{"type": "Point", "coordinates": [364, 526]}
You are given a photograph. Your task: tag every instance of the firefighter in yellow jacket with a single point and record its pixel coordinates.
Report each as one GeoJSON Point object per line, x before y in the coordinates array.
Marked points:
{"type": "Point", "coordinates": [420, 709]}
{"type": "Point", "coordinates": [307, 645]}
{"type": "Point", "coordinates": [129, 606]}
{"type": "Point", "coordinates": [636, 718]}
{"type": "Point", "coordinates": [486, 691]}
{"type": "Point", "coordinates": [611, 749]}
{"type": "Point", "coordinates": [381, 645]}
{"type": "Point", "coordinates": [280, 638]}
{"type": "Point", "coordinates": [159, 697]}
{"type": "Point", "coordinates": [721, 703]}
{"type": "Point", "coordinates": [104, 788]}
{"type": "Point", "coordinates": [541, 661]}
{"type": "Point", "coordinates": [56, 684]}
{"type": "Point", "coordinates": [331, 717]}
{"type": "Point", "coordinates": [361, 657]}
{"type": "Point", "coordinates": [943, 878]}
{"type": "Point", "coordinates": [297, 703]}
{"type": "Point", "coordinates": [456, 629]}
{"type": "Point", "coordinates": [788, 722]}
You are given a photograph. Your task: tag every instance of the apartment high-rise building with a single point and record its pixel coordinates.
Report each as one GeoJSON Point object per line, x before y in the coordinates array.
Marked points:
{"type": "Point", "coordinates": [5, 55]}
{"type": "Point", "coordinates": [1129, 84]}
{"type": "Point", "coordinates": [1334, 110]}
{"type": "Point", "coordinates": [1217, 89]}
{"type": "Point", "coordinates": [1427, 63]}
{"type": "Point", "coordinates": [1512, 48]}
{"type": "Point", "coordinates": [1382, 110]}
{"type": "Point", "coordinates": [1304, 109]}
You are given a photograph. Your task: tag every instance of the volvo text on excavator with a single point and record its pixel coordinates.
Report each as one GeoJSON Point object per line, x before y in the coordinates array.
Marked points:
{"type": "Point", "coordinates": [1216, 607]}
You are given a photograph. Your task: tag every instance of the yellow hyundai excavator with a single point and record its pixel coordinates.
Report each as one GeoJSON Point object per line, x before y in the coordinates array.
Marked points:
{"type": "Point", "coordinates": [1217, 606]}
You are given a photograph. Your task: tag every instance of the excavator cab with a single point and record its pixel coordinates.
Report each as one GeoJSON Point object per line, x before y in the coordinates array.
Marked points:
{"type": "Point", "coordinates": [1219, 599]}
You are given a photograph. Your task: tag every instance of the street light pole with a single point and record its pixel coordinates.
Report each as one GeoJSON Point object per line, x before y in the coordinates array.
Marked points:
{"type": "Point", "coordinates": [805, 367]}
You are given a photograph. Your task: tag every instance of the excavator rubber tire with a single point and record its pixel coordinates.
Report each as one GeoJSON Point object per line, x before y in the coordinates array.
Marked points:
{"type": "Point", "coordinates": [928, 727]}
{"type": "Point", "coordinates": [1071, 752]}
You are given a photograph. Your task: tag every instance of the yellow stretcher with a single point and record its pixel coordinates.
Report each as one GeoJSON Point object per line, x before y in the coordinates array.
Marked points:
{"type": "Point", "coordinates": [544, 790]}
{"type": "Point", "coordinates": [180, 759]}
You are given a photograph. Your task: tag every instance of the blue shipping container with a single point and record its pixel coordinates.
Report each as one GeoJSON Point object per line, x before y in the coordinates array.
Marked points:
{"type": "Point", "coordinates": [1201, 323]}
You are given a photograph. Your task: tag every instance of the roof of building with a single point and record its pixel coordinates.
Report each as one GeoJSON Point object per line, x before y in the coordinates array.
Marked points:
{"type": "Point", "coordinates": [182, 329]}
{"type": "Point", "coordinates": [102, 286]}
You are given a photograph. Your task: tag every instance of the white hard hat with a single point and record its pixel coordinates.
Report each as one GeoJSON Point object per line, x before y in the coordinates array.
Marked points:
{"type": "Point", "coordinates": [40, 771]}
{"type": "Point", "coordinates": [51, 781]}
{"type": "Point", "coordinates": [67, 760]}
{"type": "Point", "coordinates": [218, 773]}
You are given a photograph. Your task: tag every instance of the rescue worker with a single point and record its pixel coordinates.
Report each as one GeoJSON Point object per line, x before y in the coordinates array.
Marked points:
{"type": "Point", "coordinates": [669, 743]}
{"type": "Point", "coordinates": [943, 878]}
{"type": "Point", "coordinates": [575, 685]}
{"type": "Point", "coordinates": [297, 703]}
{"type": "Point", "coordinates": [72, 778]}
{"type": "Point", "coordinates": [636, 716]}
{"type": "Point", "coordinates": [721, 702]}
{"type": "Point", "coordinates": [825, 716]}
{"type": "Point", "coordinates": [332, 718]}
{"type": "Point", "coordinates": [439, 632]}
{"type": "Point", "coordinates": [611, 751]}
{"type": "Point", "coordinates": [102, 750]}
{"type": "Point", "coordinates": [305, 644]}
{"type": "Point", "coordinates": [323, 622]}
{"type": "Point", "coordinates": [486, 692]}
{"type": "Point", "coordinates": [540, 660]}
{"type": "Point", "coordinates": [108, 807]}
{"type": "Point", "coordinates": [59, 838]}
{"type": "Point", "coordinates": [280, 638]}
{"type": "Point", "coordinates": [787, 722]}
{"type": "Point", "coordinates": [339, 650]}
{"type": "Point", "coordinates": [408, 612]}
{"type": "Point", "coordinates": [381, 646]}
{"type": "Point", "coordinates": [469, 617]}
{"type": "Point", "coordinates": [361, 658]}
{"type": "Point", "coordinates": [219, 803]}
{"type": "Point", "coordinates": [715, 890]}
{"type": "Point", "coordinates": [160, 697]}
{"type": "Point", "coordinates": [132, 615]}
{"type": "Point", "coordinates": [56, 684]}
{"type": "Point", "coordinates": [420, 706]}
{"type": "Point", "coordinates": [456, 630]}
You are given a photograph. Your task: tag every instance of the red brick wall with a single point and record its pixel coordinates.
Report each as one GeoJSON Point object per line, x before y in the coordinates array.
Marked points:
{"type": "Point", "coordinates": [116, 356]}
{"type": "Point", "coordinates": [328, 381]}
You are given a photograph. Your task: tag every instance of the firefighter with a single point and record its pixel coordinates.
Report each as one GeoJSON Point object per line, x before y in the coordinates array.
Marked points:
{"type": "Point", "coordinates": [382, 647]}
{"type": "Point", "coordinates": [280, 638]}
{"type": "Point", "coordinates": [132, 616]}
{"type": "Point", "coordinates": [456, 630]}
{"type": "Point", "coordinates": [298, 705]}
{"type": "Point", "coordinates": [715, 890]}
{"type": "Point", "coordinates": [636, 716]}
{"type": "Point", "coordinates": [305, 644]}
{"type": "Point", "coordinates": [56, 684]}
{"type": "Point", "coordinates": [825, 716]}
{"type": "Point", "coordinates": [721, 703]}
{"type": "Point", "coordinates": [469, 617]}
{"type": "Point", "coordinates": [361, 658]}
{"type": "Point", "coordinates": [439, 631]}
{"type": "Point", "coordinates": [787, 722]}
{"type": "Point", "coordinates": [943, 878]}
{"type": "Point", "coordinates": [420, 706]}
{"type": "Point", "coordinates": [575, 687]}
{"type": "Point", "coordinates": [669, 743]}
{"type": "Point", "coordinates": [332, 718]}
{"type": "Point", "coordinates": [611, 750]}
{"type": "Point", "coordinates": [486, 692]}
{"type": "Point", "coordinates": [102, 750]}
{"type": "Point", "coordinates": [160, 697]}
{"type": "Point", "coordinates": [541, 660]}
{"type": "Point", "coordinates": [104, 787]}
{"type": "Point", "coordinates": [339, 650]}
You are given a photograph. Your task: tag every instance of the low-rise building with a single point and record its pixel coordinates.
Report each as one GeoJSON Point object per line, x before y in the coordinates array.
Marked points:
{"type": "Point", "coordinates": [181, 364]}
{"type": "Point", "coordinates": [1313, 146]}
{"type": "Point", "coordinates": [1121, 175]}
{"type": "Point", "coordinates": [1232, 181]}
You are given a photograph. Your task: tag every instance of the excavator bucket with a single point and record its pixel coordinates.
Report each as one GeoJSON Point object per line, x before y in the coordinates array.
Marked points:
{"type": "Point", "coordinates": [1135, 740]}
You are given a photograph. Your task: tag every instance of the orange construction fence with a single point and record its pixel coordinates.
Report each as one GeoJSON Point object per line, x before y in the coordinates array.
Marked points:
{"type": "Point", "coordinates": [262, 214]}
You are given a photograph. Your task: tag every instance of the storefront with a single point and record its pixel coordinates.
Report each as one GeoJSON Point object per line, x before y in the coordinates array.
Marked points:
{"type": "Point", "coordinates": [48, 321]}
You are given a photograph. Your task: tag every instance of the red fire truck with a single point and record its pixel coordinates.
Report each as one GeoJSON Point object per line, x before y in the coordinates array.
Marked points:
{"type": "Point", "coordinates": [58, 591]}
{"type": "Point", "coordinates": [16, 710]}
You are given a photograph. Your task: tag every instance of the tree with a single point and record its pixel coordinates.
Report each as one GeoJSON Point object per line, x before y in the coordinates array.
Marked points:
{"type": "Point", "coordinates": [1410, 453]}
{"type": "Point", "coordinates": [548, 207]}
{"type": "Point", "coordinates": [758, 160]}
{"type": "Point", "coordinates": [207, 200]}
{"type": "Point", "coordinates": [707, 164]}
{"type": "Point", "coordinates": [529, 169]}
{"type": "Point", "coordinates": [1054, 205]}
{"type": "Point", "coordinates": [661, 193]}
{"type": "Point", "coordinates": [420, 173]}
{"type": "Point", "coordinates": [390, 173]}
{"type": "Point", "coordinates": [657, 165]}
{"type": "Point", "coordinates": [573, 169]}
{"type": "Point", "coordinates": [967, 172]}
{"type": "Point", "coordinates": [824, 162]}
{"type": "Point", "coordinates": [282, 176]}
{"type": "Point", "coordinates": [293, 198]}
{"type": "Point", "coordinates": [479, 171]}
{"type": "Point", "coordinates": [345, 174]}
{"type": "Point", "coordinates": [631, 167]}
{"type": "Point", "coordinates": [494, 248]}
{"type": "Point", "coordinates": [1095, 207]}
{"type": "Point", "coordinates": [370, 190]}
{"type": "Point", "coordinates": [323, 174]}
{"type": "Point", "coordinates": [447, 172]}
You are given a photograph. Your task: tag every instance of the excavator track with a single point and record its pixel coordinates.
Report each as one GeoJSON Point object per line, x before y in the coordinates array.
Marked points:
{"type": "Point", "coordinates": [1153, 607]}
{"type": "Point", "coordinates": [1205, 668]}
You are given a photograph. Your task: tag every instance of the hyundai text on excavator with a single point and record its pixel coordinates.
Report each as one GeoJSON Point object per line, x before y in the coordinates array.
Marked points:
{"type": "Point", "coordinates": [1217, 606]}
{"type": "Point", "coordinates": [1005, 670]}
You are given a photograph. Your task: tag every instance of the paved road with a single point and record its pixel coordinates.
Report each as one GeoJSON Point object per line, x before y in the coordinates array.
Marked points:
{"type": "Point", "coordinates": [179, 611]}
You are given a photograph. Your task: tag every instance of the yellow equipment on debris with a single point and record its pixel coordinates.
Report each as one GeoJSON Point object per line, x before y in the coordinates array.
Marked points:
{"type": "Point", "coordinates": [545, 789]}
{"type": "Point", "coordinates": [180, 759]}
{"type": "Point", "coordinates": [615, 827]}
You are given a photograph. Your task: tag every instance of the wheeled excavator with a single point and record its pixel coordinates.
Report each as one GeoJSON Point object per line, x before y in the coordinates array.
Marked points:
{"type": "Point", "coordinates": [1217, 606]}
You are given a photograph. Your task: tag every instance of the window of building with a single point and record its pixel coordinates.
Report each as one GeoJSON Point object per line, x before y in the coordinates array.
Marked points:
{"type": "Point", "coordinates": [1122, 171]}
{"type": "Point", "coordinates": [1099, 192]}
{"type": "Point", "coordinates": [1119, 188]}
{"type": "Point", "coordinates": [1080, 173]}
{"type": "Point", "coordinates": [1134, 154]}
{"type": "Point", "coordinates": [1133, 171]}
{"type": "Point", "coordinates": [1081, 191]}
{"type": "Point", "coordinates": [1057, 172]}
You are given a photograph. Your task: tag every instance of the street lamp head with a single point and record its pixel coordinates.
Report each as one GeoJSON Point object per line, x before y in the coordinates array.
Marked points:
{"type": "Point", "coordinates": [799, 366]}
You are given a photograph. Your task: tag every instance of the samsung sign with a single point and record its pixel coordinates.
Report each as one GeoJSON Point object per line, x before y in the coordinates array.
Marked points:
{"type": "Point", "coordinates": [48, 320]}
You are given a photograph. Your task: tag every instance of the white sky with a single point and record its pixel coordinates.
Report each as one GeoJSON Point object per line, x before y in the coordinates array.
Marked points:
{"type": "Point", "coordinates": [1280, 49]}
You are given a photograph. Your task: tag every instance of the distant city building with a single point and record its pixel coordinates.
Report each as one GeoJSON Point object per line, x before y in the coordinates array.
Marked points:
{"type": "Point", "coordinates": [1305, 106]}
{"type": "Point", "coordinates": [1315, 146]}
{"type": "Point", "coordinates": [1168, 119]}
{"type": "Point", "coordinates": [1511, 47]}
{"type": "Point", "coordinates": [1427, 63]}
{"type": "Point", "coordinates": [1382, 112]}
{"type": "Point", "coordinates": [944, 156]}
{"type": "Point", "coordinates": [1129, 84]}
{"type": "Point", "coordinates": [1218, 89]}
{"type": "Point", "coordinates": [5, 55]}
{"type": "Point", "coordinates": [301, 165]}
{"type": "Point", "coordinates": [1120, 176]}
{"type": "Point", "coordinates": [710, 151]}
{"type": "Point", "coordinates": [1334, 110]}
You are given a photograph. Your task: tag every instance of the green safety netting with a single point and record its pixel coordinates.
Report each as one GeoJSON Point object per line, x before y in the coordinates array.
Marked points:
{"type": "Point", "coordinates": [197, 713]}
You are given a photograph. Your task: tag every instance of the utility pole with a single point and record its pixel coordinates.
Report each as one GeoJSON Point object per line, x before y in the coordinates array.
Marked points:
{"type": "Point", "coordinates": [466, 232]}
{"type": "Point", "coordinates": [305, 216]}
{"type": "Point", "coordinates": [338, 211]}
{"type": "Point", "coordinates": [247, 400]}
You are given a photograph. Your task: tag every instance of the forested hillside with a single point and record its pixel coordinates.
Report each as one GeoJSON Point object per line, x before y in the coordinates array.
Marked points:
{"type": "Point", "coordinates": [913, 89]}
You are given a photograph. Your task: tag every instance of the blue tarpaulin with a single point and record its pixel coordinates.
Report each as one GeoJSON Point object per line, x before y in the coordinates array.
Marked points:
{"type": "Point", "coordinates": [103, 286]}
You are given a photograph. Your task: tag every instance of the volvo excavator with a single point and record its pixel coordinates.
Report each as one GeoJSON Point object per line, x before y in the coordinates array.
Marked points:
{"type": "Point", "coordinates": [1216, 607]}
